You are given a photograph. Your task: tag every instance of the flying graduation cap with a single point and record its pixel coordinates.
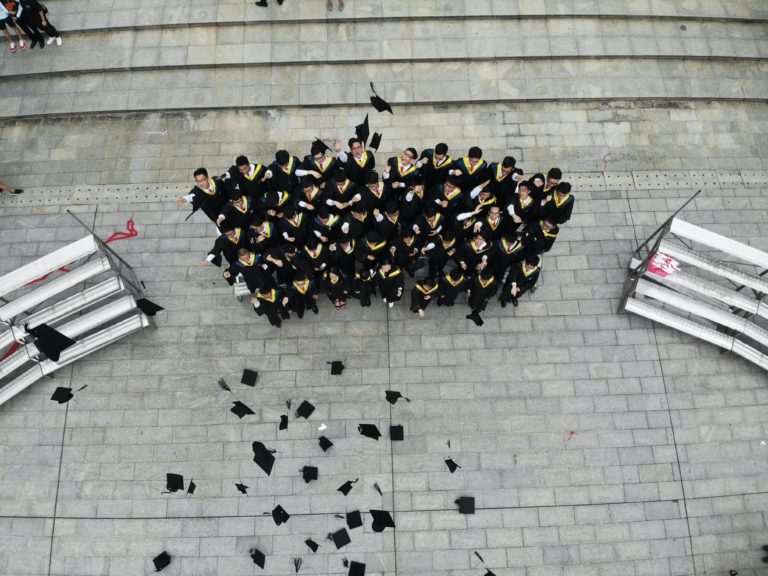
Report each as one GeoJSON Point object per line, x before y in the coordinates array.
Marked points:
{"type": "Point", "coordinates": [466, 504]}
{"type": "Point", "coordinates": [340, 538]}
{"type": "Point", "coordinates": [258, 557]}
{"type": "Point", "coordinates": [381, 519]}
{"type": "Point", "coordinates": [393, 396]}
{"type": "Point", "coordinates": [62, 395]}
{"type": "Point", "coordinates": [379, 103]}
{"type": "Point", "coordinates": [148, 307]}
{"type": "Point", "coordinates": [452, 466]}
{"type": "Point", "coordinates": [312, 544]}
{"type": "Point", "coordinates": [375, 141]}
{"type": "Point", "coordinates": [297, 562]}
{"type": "Point", "coordinates": [243, 489]}
{"type": "Point", "coordinates": [279, 515]}
{"type": "Point", "coordinates": [283, 422]}
{"type": "Point", "coordinates": [263, 457]}
{"type": "Point", "coordinates": [305, 410]}
{"type": "Point", "coordinates": [337, 367]}
{"type": "Point", "coordinates": [396, 433]}
{"type": "Point", "coordinates": [354, 519]}
{"type": "Point", "coordinates": [362, 131]}
{"type": "Point", "coordinates": [161, 561]}
{"type": "Point", "coordinates": [191, 488]}
{"type": "Point", "coordinates": [309, 473]}
{"type": "Point", "coordinates": [49, 341]}
{"type": "Point", "coordinates": [174, 482]}
{"type": "Point", "coordinates": [325, 444]}
{"type": "Point", "coordinates": [249, 377]}
{"type": "Point", "coordinates": [241, 410]}
{"type": "Point", "coordinates": [356, 569]}
{"type": "Point", "coordinates": [369, 431]}
{"type": "Point", "coordinates": [347, 486]}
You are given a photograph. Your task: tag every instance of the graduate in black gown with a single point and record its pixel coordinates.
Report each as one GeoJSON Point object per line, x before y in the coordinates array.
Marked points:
{"type": "Point", "coordinates": [336, 287]}
{"type": "Point", "coordinates": [451, 284]}
{"type": "Point", "coordinates": [558, 204]}
{"type": "Point", "coordinates": [422, 295]}
{"type": "Point", "coordinates": [481, 289]}
{"type": "Point", "coordinates": [208, 195]}
{"type": "Point", "coordinates": [390, 282]}
{"type": "Point", "coordinates": [302, 294]}
{"type": "Point", "coordinates": [227, 244]}
{"type": "Point", "coordinates": [249, 177]}
{"type": "Point", "coordinates": [254, 272]}
{"type": "Point", "coordinates": [271, 303]}
{"type": "Point", "coordinates": [522, 277]}
{"type": "Point", "coordinates": [358, 162]}
{"type": "Point", "coordinates": [435, 164]}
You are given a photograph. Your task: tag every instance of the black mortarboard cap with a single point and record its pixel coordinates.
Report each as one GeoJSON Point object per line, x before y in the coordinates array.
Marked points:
{"type": "Point", "coordinates": [369, 431]}
{"type": "Point", "coordinates": [396, 432]}
{"type": "Point", "coordinates": [305, 409]}
{"type": "Point", "coordinates": [297, 562]}
{"type": "Point", "coordinates": [341, 538]}
{"type": "Point", "coordinates": [356, 568]}
{"type": "Point", "coordinates": [191, 488]}
{"type": "Point", "coordinates": [223, 385]}
{"type": "Point", "coordinates": [49, 341]}
{"type": "Point", "coordinates": [346, 487]}
{"type": "Point", "coordinates": [475, 317]}
{"type": "Point", "coordinates": [337, 367]}
{"type": "Point", "coordinates": [242, 488]}
{"type": "Point", "coordinates": [309, 473]}
{"type": "Point", "coordinates": [354, 519]}
{"type": "Point", "coordinates": [263, 457]}
{"type": "Point", "coordinates": [452, 466]}
{"type": "Point", "coordinates": [283, 422]}
{"type": "Point", "coordinates": [240, 409]}
{"type": "Point", "coordinates": [375, 141]}
{"type": "Point", "coordinates": [148, 307]}
{"type": "Point", "coordinates": [392, 396]}
{"type": "Point", "coordinates": [312, 544]}
{"type": "Point", "coordinates": [249, 377]}
{"type": "Point", "coordinates": [258, 557]}
{"type": "Point", "coordinates": [174, 482]}
{"type": "Point", "coordinates": [466, 504]}
{"type": "Point", "coordinates": [320, 144]}
{"type": "Point", "coordinates": [62, 395]}
{"type": "Point", "coordinates": [161, 561]}
{"type": "Point", "coordinates": [378, 102]}
{"type": "Point", "coordinates": [363, 131]}
{"type": "Point", "coordinates": [489, 573]}
{"type": "Point", "coordinates": [279, 515]}
{"type": "Point", "coordinates": [381, 519]}
{"type": "Point", "coordinates": [325, 443]}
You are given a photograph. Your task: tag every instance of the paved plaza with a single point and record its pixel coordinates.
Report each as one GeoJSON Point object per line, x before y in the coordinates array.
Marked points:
{"type": "Point", "coordinates": [594, 443]}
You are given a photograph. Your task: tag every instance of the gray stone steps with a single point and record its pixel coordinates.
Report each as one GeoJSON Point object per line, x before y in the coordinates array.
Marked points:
{"type": "Point", "coordinates": [437, 83]}
{"type": "Point", "coordinates": [396, 42]}
{"type": "Point", "coordinates": [103, 14]}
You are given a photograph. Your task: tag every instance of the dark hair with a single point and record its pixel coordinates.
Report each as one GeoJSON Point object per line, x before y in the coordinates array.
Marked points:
{"type": "Point", "coordinates": [306, 182]}
{"type": "Point", "coordinates": [241, 161]}
{"type": "Point", "coordinates": [475, 152]}
{"type": "Point", "coordinates": [289, 210]}
{"type": "Point", "coordinates": [257, 220]}
{"type": "Point", "coordinates": [352, 141]}
{"type": "Point", "coordinates": [555, 173]}
{"type": "Point", "coordinates": [317, 148]}
{"type": "Point", "coordinates": [564, 187]}
{"type": "Point", "coordinates": [372, 177]}
{"type": "Point", "coordinates": [392, 207]}
{"type": "Point", "coordinates": [509, 162]}
{"type": "Point", "coordinates": [441, 148]}
{"type": "Point", "coordinates": [340, 175]}
{"type": "Point", "coordinates": [282, 157]}
{"type": "Point", "coordinates": [532, 260]}
{"type": "Point", "coordinates": [200, 172]}
{"type": "Point", "coordinates": [453, 180]}
{"type": "Point", "coordinates": [413, 152]}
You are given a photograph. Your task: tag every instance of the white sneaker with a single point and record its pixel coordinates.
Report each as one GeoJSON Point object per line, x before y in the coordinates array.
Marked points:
{"type": "Point", "coordinates": [50, 40]}
{"type": "Point", "coordinates": [58, 40]}
{"type": "Point", "coordinates": [391, 304]}
{"type": "Point", "coordinates": [13, 47]}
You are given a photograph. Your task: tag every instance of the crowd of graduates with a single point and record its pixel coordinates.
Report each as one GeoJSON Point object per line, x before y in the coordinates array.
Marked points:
{"type": "Point", "coordinates": [331, 223]}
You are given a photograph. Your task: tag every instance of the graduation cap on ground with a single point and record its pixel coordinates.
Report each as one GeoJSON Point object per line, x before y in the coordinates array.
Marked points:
{"type": "Point", "coordinates": [375, 141]}
{"type": "Point", "coordinates": [369, 431]}
{"type": "Point", "coordinates": [341, 538]}
{"type": "Point", "coordinates": [305, 410]}
{"type": "Point", "coordinates": [354, 519]}
{"type": "Point", "coordinates": [312, 544]}
{"type": "Point", "coordinates": [297, 562]}
{"type": "Point", "coordinates": [489, 573]}
{"type": "Point", "coordinates": [325, 444]}
{"type": "Point", "coordinates": [379, 103]}
{"type": "Point", "coordinates": [356, 568]}
{"type": "Point", "coordinates": [49, 341]}
{"type": "Point", "coordinates": [174, 482]}
{"type": "Point", "coordinates": [363, 131]}
{"type": "Point", "coordinates": [396, 433]}
{"type": "Point", "coordinates": [381, 519]}
{"type": "Point", "coordinates": [161, 561]}
{"type": "Point", "coordinates": [283, 422]}
{"type": "Point", "coordinates": [378, 488]}
{"type": "Point", "coordinates": [258, 557]}
{"type": "Point", "coordinates": [309, 473]}
{"type": "Point", "coordinates": [191, 488]}
{"type": "Point", "coordinates": [263, 457]}
{"type": "Point", "coordinates": [223, 385]}
{"type": "Point", "coordinates": [475, 317]}
{"type": "Point", "coordinates": [393, 396]}
{"type": "Point", "coordinates": [241, 409]}
{"type": "Point", "coordinates": [347, 486]}
{"type": "Point", "coordinates": [249, 377]}
{"type": "Point", "coordinates": [62, 395]}
{"type": "Point", "coordinates": [279, 515]}
{"type": "Point", "coordinates": [242, 488]}
{"type": "Point", "coordinates": [337, 367]}
{"type": "Point", "coordinates": [452, 466]}
{"type": "Point", "coordinates": [466, 504]}
{"type": "Point", "coordinates": [148, 307]}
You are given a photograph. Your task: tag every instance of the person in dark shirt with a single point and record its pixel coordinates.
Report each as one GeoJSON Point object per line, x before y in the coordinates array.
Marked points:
{"type": "Point", "coordinates": [522, 278]}
{"type": "Point", "coordinates": [208, 195]}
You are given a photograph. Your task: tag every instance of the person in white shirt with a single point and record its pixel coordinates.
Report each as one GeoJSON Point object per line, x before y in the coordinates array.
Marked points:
{"type": "Point", "coordinates": [6, 22]}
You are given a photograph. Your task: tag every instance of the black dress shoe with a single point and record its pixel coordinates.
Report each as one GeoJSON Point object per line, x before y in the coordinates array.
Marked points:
{"type": "Point", "coordinates": [503, 303]}
{"type": "Point", "coordinates": [32, 44]}
{"type": "Point", "coordinates": [262, 3]}
{"type": "Point", "coordinates": [514, 302]}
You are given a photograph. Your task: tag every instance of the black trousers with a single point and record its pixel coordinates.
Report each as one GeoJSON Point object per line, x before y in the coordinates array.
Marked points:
{"type": "Point", "coordinates": [27, 23]}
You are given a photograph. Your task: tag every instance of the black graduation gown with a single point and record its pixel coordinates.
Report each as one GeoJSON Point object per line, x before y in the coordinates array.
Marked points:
{"type": "Point", "coordinates": [429, 229]}
{"type": "Point", "coordinates": [502, 186]}
{"type": "Point", "coordinates": [284, 179]}
{"type": "Point", "coordinates": [410, 210]}
{"type": "Point", "coordinates": [337, 291]}
{"type": "Point", "coordinates": [410, 176]}
{"type": "Point", "coordinates": [528, 211]}
{"type": "Point", "coordinates": [318, 260]}
{"type": "Point", "coordinates": [262, 241]}
{"type": "Point", "coordinates": [226, 247]}
{"type": "Point", "coordinates": [508, 251]}
{"type": "Point", "coordinates": [298, 229]}
{"type": "Point", "coordinates": [448, 290]}
{"type": "Point", "coordinates": [375, 199]}
{"type": "Point", "coordinates": [354, 226]}
{"type": "Point", "coordinates": [316, 198]}
{"type": "Point", "coordinates": [470, 178]}
{"type": "Point", "coordinates": [448, 203]}
{"type": "Point", "coordinates": [329, 229]}
{"type": "Point", "coordinates": [358, 171]}
{"type": "Point", "coordinates": [386, 228]}
{"type": "Point", "coordinates": [371, 253]}
{"type": "Point", "coordinates": [391, 284]}
{"type": "Point", "coordinates": [254, 273]}
{"type": "Point", "coordinates": [421, 297]}
{"type": "Point", "coordinates": [405, 255]}
{"type": "Point", "coordinates": [326, 171]}
{"type": "Point", "coordinates": [480, 292]}
{"type": "Point", "coordinates": [439, 254]}
{"type": "Point", "coordinates": [342, 194]}
{"type": "Point", "coordinates": [343, 258]}
{"type": "Point", "coordinates": [433, 174]}
{"type": "Point", "coordinates": [537, 240]}
{"type": "Point", "coordinates": [271, 306]}
{"type": "Point", "coordinates": [518, 276]}
{"type": "Point", "coordinates": [301, 297]}
{"type": "Point", "coordinates": [250, 186]}
{"type": "Point", "coordinates": [472, 256]}
{"type": "Point", "coordinates": [211, 203]}
{"type": "Point", "coordinates": [239, 218]}
{"type": "Point", "coordinates": [362, 286]}
{"type": "Point", "coordinates": [558, 213]}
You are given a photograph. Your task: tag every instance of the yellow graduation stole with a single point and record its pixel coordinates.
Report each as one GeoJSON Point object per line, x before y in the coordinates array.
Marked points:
{"type": "Point", "coordinates": [343, 189]}
{"type": "Point", "coordinates": [332, 219]}
{"type": "Point", "coordinates": [411, 168]}
{"type": "Point", "coordinates": [452, 195]}
{"type": "Point", "coordinates": [449, 244]}
{"type": "Point", "coordinates": [493, 224]}
{"type": "Point", "coordinates": [446, 162]}
{"type": "Point", "coordinates": [302, 286]}
{"type": "Point", "coordinates": [490, 200]}
{"type": "Point", "coordinates": [249, 261]}
{"type": "Point", "coordinates": [471, 170]}
{"type": "Point", "coordinates": [421, 289]}
{"type": "Point", "coordinates": [525, 201]}
{"type": "Point", "coordinates": [547, 234]}
{"type": "Point", "coordinates": [327, 162]}
{"type": "Point", "coordinates": [267, 231]}
{"type": "Point", "coordinates": [363, 159]}
{"type": "Point", "coordinates": [209, 191]}
{"type": "Point", "coordinates": [438, 217]}
{"type": "Point", "coordinates": [290, 166]}
{"type": "Point", "coordinates": [271, 298]}
{"type": "Point", "coordinates": [526, 273]}
{"type": "Point", "coordinates": [499, 175]}
{"type": "Point", "coordinates": [245, 205]}
{"type": "Point", "coordinates": [365, 216]}
{"type": "Point", "coordinates": [485, 284]}
{"type": "Point", "coordinates": [284, 199]}
{"type": "Point", "coordinates": [477, 250]}
{"type": "Point", "coordinates": [510, 248]}
{"type": "Point", "coordinates": [316, 254]}
{"type": "Point", "coordinates": [451, 282]}
{"type": "Point", "coordinates": [392, 273]}
{"type": "Point", "coordinates": [299, 218]}
{"type": "Point", "coordinates": [351, 247]}
{"type": "Point", "coordinates": [377, 246]}
{"type": "Point", "coordinates": [255, 172]}
{"type": "Point", "coordinates": [313, 194]}
{"type": "Point", "coordinates": [563, 201]}
{"type": "Point", "coordinates": [236, 240]}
